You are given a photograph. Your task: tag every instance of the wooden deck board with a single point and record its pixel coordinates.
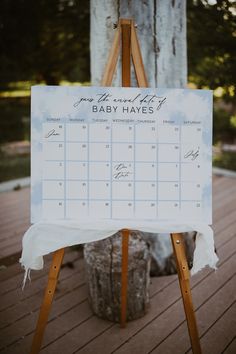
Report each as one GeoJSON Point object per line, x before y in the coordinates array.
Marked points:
{"type": "Point", "coordinates": [231, 347]}
{"type": "Point", "coordinates": [72, 328]}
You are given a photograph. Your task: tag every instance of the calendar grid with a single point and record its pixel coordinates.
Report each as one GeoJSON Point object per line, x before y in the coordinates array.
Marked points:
{"type": "Point", "coordinates": [111, 177]}
{"type": "Point", "coordinates": [180, 159]}
{"type": "Point", "coordinates": [134, 187]}
{"type": "Point", "coordinates": [157, 178]}
{"type": "Point", "coordinates": [121, 159]}
{"type": "Point", "coordinates": [88, 176]}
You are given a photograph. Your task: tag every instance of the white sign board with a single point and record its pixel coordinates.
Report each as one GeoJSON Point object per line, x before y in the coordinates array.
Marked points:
{"type": "Point", "coordinates": [121, 153]}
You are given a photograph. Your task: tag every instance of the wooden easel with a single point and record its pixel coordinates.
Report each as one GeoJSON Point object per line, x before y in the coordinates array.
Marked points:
{"type": "Point", "coordinates": [127, 37]}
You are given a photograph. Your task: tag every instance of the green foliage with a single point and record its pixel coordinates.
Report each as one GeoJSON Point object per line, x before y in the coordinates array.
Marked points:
{"type": "Point", "coordinates": [223, 129]}
{"type": "Point", "coordinates": [225, 160]}
{"type": "Point", "coordinates": [233, 122]}
{"type": "Point", "coordinates": [14, 122]}
{"type": "Point", "coordinates": [212, 44]}
{"type": "Point", "coordinates": [44, 40]}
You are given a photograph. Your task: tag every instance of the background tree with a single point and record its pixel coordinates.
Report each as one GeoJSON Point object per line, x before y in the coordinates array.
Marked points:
{"type": "Point", "coordinates": [44, 41]}
{"type": "Point", "coordinates": [212, 45]}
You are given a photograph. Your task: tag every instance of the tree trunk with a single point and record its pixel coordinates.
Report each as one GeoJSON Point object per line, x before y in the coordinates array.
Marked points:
{"type": "Point", "coordinates": [103, 269]}
{"type": "Point", "coordinates": [161, 29]}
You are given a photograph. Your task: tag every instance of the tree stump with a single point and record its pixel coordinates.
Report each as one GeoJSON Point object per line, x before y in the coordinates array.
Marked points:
{"type": "Point", "coordinates": [103, 269]}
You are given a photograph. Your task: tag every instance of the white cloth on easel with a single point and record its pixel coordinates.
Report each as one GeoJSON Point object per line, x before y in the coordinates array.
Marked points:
{"type": "Point", "coordinates": [44, 237]}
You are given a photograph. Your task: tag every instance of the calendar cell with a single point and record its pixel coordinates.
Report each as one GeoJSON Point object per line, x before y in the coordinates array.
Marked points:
{"type": "Point", "coordinates": [145, 172]}
{"type": "Point", "coordinates": [122, 152]}
{"type": "Point", "coordinates": [191, 172]}
{"type": "Point", "coordinates": [168, 172]}
{"type": "Point", "coordinates": [53, 170]}
{"type": "Point", "coordinates": [77, 170]}
{"type": "Point", "coordinates": [122, 190]}
{"type": "Point", "coordinates": [76, 209]}
{"type": "Point", "coordinates": [100, 209]}
{"type": "Point", "coordinates": [168, 152]}
{"type": "Point", "coordinates": [99, 132]}
{"type": "Point", "coordinates": [191, 191]}
{"type": "Point", "coordinates": [168, 133]}
{"type": "Point", "coordinates": [147, 133]}
{"type": "Point", "coordinates": [100, 171]}
{"type": "Point", "coordinates": [53, 151]}
{"type": "Point", "coordinates": [122, 171]}
{"type": "Point", "coordinates": [99, 190]}
{"type": "Point", "coordinates": [123, 133]}
{"type": "Point", "coordinates": [77, 151]}
{"type": "Point", "coordinates": [53, 132]}
{"type": "Point", "coordinates": [192, 210]}
{"type": "Point", "coordinates": [191, 133]}
{"type": "Point", "coordinates": [77, 132]}
{"type": "Point", "coordinates": [99, 151]}
{"type": "Point", "coordinates": [168, 191]}
{"type": "Point", "coordinates": [122, 209]}
{"type": "Point", "coordinates": [53, 209]}
{"type": "Point", "coordinates": [146, 152]}
{"type": "Point", "coordinates": [168, 210]}
{"type": "Point", "coordinates": [145, 210]}
{"type": "Point", "coordinates": [145, 190]}
{"type": "Point", "coordinates": [53, 189]}
{"type": "Point", "coordinates": [190, 153]}
{"type": "Point", "coordinates": [76, 190]}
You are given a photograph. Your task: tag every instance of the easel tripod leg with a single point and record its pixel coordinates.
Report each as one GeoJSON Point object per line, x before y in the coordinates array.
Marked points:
{"type": "Point", "coordinates": [47, 301]}
{"type": "Point", "coordinates": [184, 276]}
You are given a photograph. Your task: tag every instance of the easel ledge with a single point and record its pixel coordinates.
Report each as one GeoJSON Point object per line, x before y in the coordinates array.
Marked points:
{"type": "Point", "coordinates": [127, 36]}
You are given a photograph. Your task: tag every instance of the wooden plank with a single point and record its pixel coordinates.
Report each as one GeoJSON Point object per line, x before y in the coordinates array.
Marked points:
{"type": "Point", "coordinates": [10, 196]}
{"type": "Point", "coordinates": [228, 248]}
{"type": "Point", "coordinates": [56, 328]}
{"type": "Point", "coordinates": [132, 339]}
{"type": "Point", "coordinates": [166, 323]}
{"type": "Point", "coordinates": [26, 325]}
{"type": "Point", "coordinates": [8, 300]}
{"type": "Point", "coordinates": [93, 326]}
{"type": "Point", "coordinates": [224, 228]}
{"type": "Point", "coordinates": [14, 221]}
{"type": "Point", "coordinates": [12, 277]}
{"type": "Point", "coordinates": [231, 347]}
{"type": "Point", "coordinates": [208, 313]}
{"type": "Point", "coordinates": [32, 304]}
{"type": "Point", "coordinates": [225, 326]}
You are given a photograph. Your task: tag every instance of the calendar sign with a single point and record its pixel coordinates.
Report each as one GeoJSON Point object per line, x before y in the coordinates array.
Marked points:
{"type": "Point", "coordinates": [121, 153]}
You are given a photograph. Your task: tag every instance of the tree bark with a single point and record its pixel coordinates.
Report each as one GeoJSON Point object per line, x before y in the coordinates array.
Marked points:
{"type": "Point", "coordinates": [161, 28]}
{"type": "Point", "coordinates": [103, 270]}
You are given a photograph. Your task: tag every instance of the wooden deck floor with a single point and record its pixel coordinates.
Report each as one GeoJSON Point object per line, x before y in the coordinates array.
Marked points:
{"type": "Point", "coordinates": [72, 328]}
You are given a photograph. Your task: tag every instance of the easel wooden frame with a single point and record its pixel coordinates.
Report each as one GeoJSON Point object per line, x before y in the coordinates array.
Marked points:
{"type": "Point", "coordinates": [127, 37]}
